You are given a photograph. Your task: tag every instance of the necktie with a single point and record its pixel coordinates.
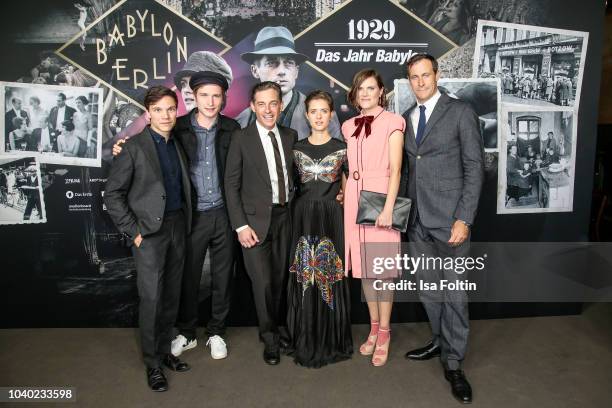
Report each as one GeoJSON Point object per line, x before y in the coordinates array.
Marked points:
{"type": "Point", "coordinates": [421, 125]}
{"type": "Point", "coordinates": [282, 199]}
{"type": "Point", "coordinates": [360, 123]}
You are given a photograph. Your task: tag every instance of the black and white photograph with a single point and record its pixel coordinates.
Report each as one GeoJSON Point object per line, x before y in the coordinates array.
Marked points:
{"type": "Point", "coordinates": [57, 124]}
{"type": "Point", "coordinates": [537, 66]}
{"type": "Point", "coordinates": [21, 193]}
{"type": "Point", "coordinates": [536, 173]}
{"type": "Point", "coordinates": [483, 94]}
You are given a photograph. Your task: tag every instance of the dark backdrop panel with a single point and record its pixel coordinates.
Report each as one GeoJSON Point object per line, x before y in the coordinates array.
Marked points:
{"type": "Point", "coordinates": [51, 275]}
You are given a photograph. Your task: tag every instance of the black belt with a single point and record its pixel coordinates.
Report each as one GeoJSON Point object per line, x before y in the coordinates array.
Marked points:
{"type": "Point", "coordinates": [279, 205]}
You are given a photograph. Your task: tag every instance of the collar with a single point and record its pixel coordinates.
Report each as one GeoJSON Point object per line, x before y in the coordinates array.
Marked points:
{"type": "Point", "coordinates": [263, 131]}
{"type": "Point", "coordinates": [379, 109]}
{"type": "Point", "coordinates": [430, 104]}
{"type": "Point", "coordinates": [157, 137]}
{"type": "Point", "coordinates": [193, 116]}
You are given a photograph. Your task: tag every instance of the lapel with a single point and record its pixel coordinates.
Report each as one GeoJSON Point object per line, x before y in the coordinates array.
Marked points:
{"type": "Point", "coordinates": [410, 142]}
{"type": "Point", "coordinates": [148, 147]}
{"type": "Point", "coordinates": [188, 136]}
{"type": "Point", "coordinates": [437, 113]}
{"type": "Point", "coordinates": [287, 141]}
{"type": "Point", "coordinates": [184, 169]}
{"type": "Point", "coordinates": [256, 149]}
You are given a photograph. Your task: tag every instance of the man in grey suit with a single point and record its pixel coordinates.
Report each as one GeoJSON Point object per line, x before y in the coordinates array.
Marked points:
{"type": "Point", "coordinates": [258, 191]}
{"type": "Point", "coordinates": [443, 177]}
{"type": "Point", "coordinates": [148, 197]}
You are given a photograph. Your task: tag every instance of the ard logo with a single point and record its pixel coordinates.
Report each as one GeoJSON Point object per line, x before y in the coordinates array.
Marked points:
{"type": "Point", "coordinates": [137, 44]}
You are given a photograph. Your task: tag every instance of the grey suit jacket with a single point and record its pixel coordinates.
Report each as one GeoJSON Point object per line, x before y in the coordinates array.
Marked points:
{"type": "Point", "coordinates": [135, 195]}
{"type": "Point", "coordinates": [248, 189]}
{"type": "Point", "coordinates": [444, 174]}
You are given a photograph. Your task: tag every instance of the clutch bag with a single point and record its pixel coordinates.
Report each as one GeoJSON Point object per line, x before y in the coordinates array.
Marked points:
{"type": "Point", "coordinates": [371, 205]}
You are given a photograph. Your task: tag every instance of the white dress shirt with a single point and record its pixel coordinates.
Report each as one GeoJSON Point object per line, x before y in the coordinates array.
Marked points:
{"type": "Point", "coordinates": [430, 104]}
{"type": "Point", "coordinates": [61, 112]}
{"type": "Point", "coordinates": [269, 151]}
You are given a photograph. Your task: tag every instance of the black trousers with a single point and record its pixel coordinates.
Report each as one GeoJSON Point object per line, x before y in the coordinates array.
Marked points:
{"type": "Point", "coordinates": [159, 268]}
{"type": "Point", "coordinates": [210, 229]}
{"type": "Point", "coordinates": [33, 201]}
{"type": "Point", "coordinates": [267, 265]}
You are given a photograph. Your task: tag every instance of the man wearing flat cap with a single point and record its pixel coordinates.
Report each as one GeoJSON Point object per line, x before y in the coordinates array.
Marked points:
{"type": "Point", "coordinates": [275, 59]}
{"type": "Point", "coordinates": [197, 62]}
{"type": "Point", "coordinates": [205, 136]}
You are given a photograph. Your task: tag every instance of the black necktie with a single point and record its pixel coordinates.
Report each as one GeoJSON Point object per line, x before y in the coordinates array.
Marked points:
{"type": "Point", "coordinates": [282, 199]}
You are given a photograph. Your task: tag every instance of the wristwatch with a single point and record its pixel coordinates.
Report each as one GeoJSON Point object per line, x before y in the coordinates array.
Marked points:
{"type": "Point", "coordinates": [467, 224]}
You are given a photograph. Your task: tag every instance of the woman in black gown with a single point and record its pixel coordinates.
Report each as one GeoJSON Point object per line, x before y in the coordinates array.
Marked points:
{"type": "Point", "coordinates": [318, 316]}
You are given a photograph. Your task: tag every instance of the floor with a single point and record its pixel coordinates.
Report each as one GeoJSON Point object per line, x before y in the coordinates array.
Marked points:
{"type": "Point", "coordinates": [529, 362]}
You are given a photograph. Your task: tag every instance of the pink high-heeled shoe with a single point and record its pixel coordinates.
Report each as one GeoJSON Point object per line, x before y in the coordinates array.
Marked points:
{"type": "Point", "coordinates": [367, 348]}
{"type": "Point", "coordinates": [381, 353]}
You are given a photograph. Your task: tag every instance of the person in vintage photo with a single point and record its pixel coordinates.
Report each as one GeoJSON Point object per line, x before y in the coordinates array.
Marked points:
{"type": "Point", "coordinates": [275, 59]}
{"type": "Point", "coordinates": [15, 111]}
{"type": "Point", "coordinates": [21, 200]}
{"type": "Point", "coordinates": [60, 113]}
{"type": "Point", "coordinates": [542, 140]}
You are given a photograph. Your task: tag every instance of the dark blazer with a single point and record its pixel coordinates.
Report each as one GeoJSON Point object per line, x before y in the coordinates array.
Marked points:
{"type": "Point", "coordinates": [68, 114]}
{"type": "Point", "coordinates": [444, 174]}
{"type": "Point", "coordinates": [135, 194]}
{"type": "Point", "coordinates": [8, 119]}
{"type": "Point", "coordinates": [186, 134]}
{"type": "Point", "coordinates": [248, 189]}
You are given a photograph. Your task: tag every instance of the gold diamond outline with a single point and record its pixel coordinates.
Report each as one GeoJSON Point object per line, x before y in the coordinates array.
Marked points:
{"type": "Point", "coordinates": [405, 10]}
{"type": "Point", "coordinates": [106, 14]}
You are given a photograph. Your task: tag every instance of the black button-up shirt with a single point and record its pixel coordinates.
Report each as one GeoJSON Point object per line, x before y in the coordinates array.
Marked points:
{"type": "Point", "coordinates": [171, 171]}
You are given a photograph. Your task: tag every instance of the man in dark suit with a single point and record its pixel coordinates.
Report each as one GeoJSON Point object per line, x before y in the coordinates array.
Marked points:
{"type": "Point", "coordinates": [148, 197]}
{"type": "Point", "coordinates": [58, 114]}
{"type": "Point", "coordinates": [443, 177]}
{"type": "Point", "coordinates": [258, 189]}
{"type": "Point", "coordinates": [30, 189]}
{"type": "Point", "coordinates": [15, 112]}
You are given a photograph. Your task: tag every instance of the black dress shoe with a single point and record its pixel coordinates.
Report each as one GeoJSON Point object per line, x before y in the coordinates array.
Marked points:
{"type": "Point", "coordinates": [284, 344]}
{"type": "Point", "coordinates": [460, 386]}
{"type": "Point", "coordinates": [271, 354]}
{"type": "Point", "coordinates": [175, 364]}
{"type": "Point", "coordinates": [157, 380]}
{"type": "Point", "coordinates": [424, 353]}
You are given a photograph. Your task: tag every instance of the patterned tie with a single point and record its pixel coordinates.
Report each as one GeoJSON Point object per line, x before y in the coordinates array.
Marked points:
{"type": "Point", "coordinates": [282, 197]}
{"type": "Point", "coordinates": [421, 125]}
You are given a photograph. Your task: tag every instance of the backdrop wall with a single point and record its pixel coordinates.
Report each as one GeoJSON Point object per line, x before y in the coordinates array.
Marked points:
{"type": "Point", "coordinates": [65, 265]}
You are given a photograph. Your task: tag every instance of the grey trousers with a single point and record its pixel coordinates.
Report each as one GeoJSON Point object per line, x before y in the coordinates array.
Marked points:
{"type": "Point", "coordinates": [447, 310]}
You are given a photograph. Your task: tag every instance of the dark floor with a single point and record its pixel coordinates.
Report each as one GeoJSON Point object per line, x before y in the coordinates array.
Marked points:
{"type": "Point", "coordinates": [530, 362]}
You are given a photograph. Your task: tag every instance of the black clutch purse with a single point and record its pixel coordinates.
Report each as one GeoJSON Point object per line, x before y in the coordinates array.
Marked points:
{"type": "Point", "coordinates": [371, 205]}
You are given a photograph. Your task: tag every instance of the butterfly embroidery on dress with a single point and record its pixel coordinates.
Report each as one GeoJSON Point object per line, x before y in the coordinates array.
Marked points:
{"type": "Point", "coordinates": [316, 263]}
{"type": "Point", "coordinates": [325, 169]}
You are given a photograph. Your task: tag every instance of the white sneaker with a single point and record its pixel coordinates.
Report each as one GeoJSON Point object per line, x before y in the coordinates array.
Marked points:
{"type": "Point", "coordinates": [180, 344]}
{"type": "Point", "coordinates": [218, 348]}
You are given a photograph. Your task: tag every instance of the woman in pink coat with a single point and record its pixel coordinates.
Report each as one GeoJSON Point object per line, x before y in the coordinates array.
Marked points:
{"type": "Point", "coordinates": [375, 141]}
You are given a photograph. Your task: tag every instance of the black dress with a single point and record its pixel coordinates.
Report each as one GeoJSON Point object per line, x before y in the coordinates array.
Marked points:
{"type": "Point", "coordinates": [318, 317]}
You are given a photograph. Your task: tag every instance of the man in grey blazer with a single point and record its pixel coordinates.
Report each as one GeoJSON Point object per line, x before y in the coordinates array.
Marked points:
{"type": "Point", "coordinates": [443, 176]}
{"type": "Point", "coordinates": [258, 191]}
{"type": "Point", "coordinates": [148, 197]}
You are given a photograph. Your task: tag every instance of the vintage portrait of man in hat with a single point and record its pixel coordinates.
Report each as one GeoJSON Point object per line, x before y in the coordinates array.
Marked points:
{"type": "Point", "coordinates": [274, 59]}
